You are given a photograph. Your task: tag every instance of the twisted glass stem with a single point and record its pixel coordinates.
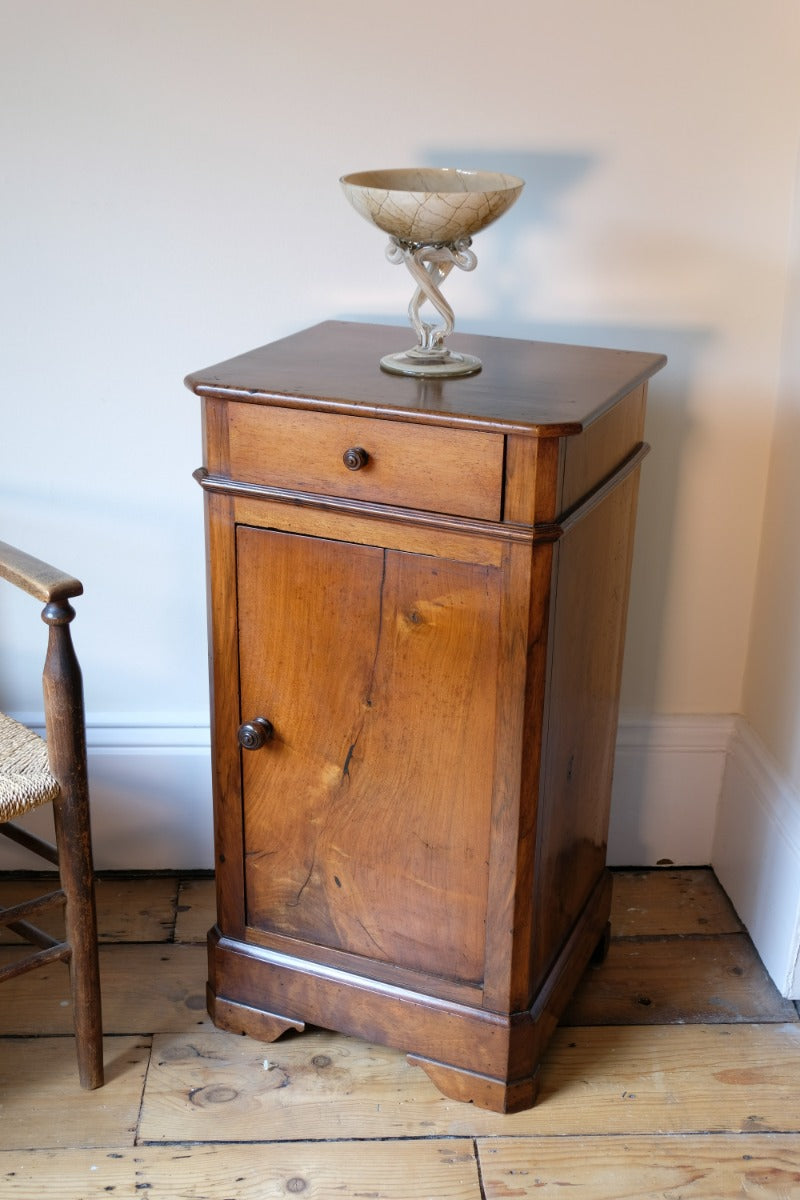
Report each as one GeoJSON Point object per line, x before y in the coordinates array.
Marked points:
{"type": "Point", "coordinates": [429, 267]}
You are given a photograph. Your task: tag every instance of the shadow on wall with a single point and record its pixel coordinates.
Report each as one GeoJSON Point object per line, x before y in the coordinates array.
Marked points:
{"type": "Point", "coordinates": [550, 177]}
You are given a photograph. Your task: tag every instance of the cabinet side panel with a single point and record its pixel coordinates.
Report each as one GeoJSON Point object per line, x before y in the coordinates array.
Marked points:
{"type": "Point", "coordinates": [367, 816]}
{"type": "Point", "coordinates": [591, 574]}
{"type": "Point", "coordinates": [591, 457]}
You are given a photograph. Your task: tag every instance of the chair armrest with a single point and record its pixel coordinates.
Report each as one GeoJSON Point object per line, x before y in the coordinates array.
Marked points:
{"type": "Point", "coordinates": [38, 578]}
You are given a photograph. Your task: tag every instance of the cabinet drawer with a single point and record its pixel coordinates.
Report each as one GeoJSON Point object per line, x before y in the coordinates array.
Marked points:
{"type": "Point", "coordinates": [445, 470]}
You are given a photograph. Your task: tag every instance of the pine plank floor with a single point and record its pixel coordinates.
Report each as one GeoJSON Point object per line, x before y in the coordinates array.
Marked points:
{"type": "Point", "coordinates": [675, 1073]}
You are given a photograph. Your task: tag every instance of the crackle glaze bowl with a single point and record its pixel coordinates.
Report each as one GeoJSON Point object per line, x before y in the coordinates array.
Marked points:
{"type": "Point", "coordinates": [431, 205]}
{"type": "Point", "coordinates": [430, 215]}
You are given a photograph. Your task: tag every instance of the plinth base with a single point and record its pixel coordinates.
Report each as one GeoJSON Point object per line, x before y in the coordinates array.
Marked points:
{"type": "Point", "coordinates": [471, 1054]}
{"type": "Point", "coordinates": [427, 364]}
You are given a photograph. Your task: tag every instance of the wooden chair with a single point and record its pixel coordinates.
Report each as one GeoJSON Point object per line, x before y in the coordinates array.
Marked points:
{"type": "Point", "coordinates": [33, 772]}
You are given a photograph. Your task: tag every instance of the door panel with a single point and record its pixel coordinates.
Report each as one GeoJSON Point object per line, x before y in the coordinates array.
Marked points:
{"type": "Point", "coordinates": [367, 816]}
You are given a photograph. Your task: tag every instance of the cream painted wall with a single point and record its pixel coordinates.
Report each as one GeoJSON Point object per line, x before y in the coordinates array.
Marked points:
{"type": "Point", "coordinates": [772, 680]}
{"type": "Point", "coordinates": [170, 199]}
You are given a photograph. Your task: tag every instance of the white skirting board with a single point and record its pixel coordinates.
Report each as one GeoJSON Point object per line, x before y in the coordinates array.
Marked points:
{"type": "Point", "coordinates": [756, 854]}
{"type": "Point", "coordinates": [151, 792]}
{"type": "Point", "coordinates": [667, 781]}
{"type": "Point", "coordinates": [150, 788]}
{"type": "Point", "coordinates": [688, 790]}
{"type": "Point", "coordinates": [704, 790]}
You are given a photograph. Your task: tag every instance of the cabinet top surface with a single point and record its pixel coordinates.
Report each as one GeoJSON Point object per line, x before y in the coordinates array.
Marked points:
{"type": "Point", "coordinates": [539, 388]}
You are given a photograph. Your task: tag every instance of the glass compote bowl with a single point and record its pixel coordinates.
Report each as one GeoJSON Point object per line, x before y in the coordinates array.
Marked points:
{"type": "Point", "coordinates": [430, 214]}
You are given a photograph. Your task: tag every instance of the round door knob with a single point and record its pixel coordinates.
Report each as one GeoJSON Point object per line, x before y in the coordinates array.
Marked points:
{"type": "Point", "coordinates": [355, 458]}
{"type": "Point", "coordinates": [253, 734]}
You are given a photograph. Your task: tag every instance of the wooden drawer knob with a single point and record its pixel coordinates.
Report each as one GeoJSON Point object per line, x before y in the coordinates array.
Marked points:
{"type": "Point", "coordinates": [254, 734]}
{"type": "Point", "coordinates": [355, 458]}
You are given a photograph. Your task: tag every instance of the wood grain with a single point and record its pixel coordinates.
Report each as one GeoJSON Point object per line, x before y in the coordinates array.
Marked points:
{"type": "Point", "coordinates": [225, 713]}
{"type": "Point", "coordinates": [516, 754]}
{"type": "Point", "coordinates": [145, 989]}
{"type": "Point", "coordinates": [534, 388]}
{"type": "Point", "coordinates": [39, 579]}
{"type": "Point", "coordinates": [519, 490]}
{"type": "Point", "coordinates": [418, 466]}
{"type": "Point", "coordinates": [658, 981]}
{"type": "Point", "coordinates": [440, 661]}
{"type": "Point", "coordinates": [653, 1079]}
{"type": "Point", "coordinates": [624, 1113]}
{"type": "Point", "coordinates": [672, 901]}
{"type": "Point", "coordinates": [676, 1079]}
{"type": "Point", "coordinates": [321, 793]}
{"type": "Point", "coordinates": [593, 457]}
{"type": "Point", "coordinates": [73, 1173]}
{"type": "Point", "coordinates": [375, 527]}
{"type": "Point", "coordinates": [49, 1109]}
{"type": "Point", "coordinates": [128, 910]}
{"type": "Point", "coordinates": [197, 910]}
{"type": "Point", "coordinates": [767, 1167]}
{"type": "Point", "coordinates": [317, 1171]}
{"type": "Point", "coordinates": [764, 1167]}
{"type": "Point", "coordinates": [590, 578]}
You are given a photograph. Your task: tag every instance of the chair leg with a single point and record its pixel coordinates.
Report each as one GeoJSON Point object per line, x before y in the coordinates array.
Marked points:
{"type": "Point", "coordinates": [77, 881]}
{"type": "Point", "coordinates": [66, 742]}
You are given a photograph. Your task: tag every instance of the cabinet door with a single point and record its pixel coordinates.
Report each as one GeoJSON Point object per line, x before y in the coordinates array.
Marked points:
{"type": "Point", "coordinates": [367, 817]}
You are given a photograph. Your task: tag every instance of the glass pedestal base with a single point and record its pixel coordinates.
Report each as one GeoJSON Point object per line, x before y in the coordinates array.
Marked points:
{"type": "Point", "coordinates": [431, 364]}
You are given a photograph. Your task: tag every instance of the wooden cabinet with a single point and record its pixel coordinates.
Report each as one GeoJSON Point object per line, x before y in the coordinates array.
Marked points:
{"type": "Point", "coordinates": [417, 608]}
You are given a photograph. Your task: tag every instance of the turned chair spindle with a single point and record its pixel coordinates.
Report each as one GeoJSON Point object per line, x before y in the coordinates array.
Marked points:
{"type": "Point", "coordinates": [33, 773]}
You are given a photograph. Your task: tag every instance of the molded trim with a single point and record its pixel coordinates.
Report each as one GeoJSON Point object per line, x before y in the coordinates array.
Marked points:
{"type": "Point", "coordinates": [667, 782]}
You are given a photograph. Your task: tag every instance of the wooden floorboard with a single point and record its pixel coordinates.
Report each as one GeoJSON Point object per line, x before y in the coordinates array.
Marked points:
{"type": "Point", "coordinates": [128, 910]}
{"type": "Point", "coordinates": [622, 1080]}
{"type": "Point", "coordinates": [196, 910]}
{"type": "Point", "coordinates": [42, 1106]}
{"type": "Point", "coordinates": [443, 1170]}
{"type": "Point", "coordinates": [151, 988]}
{"type": "Point", "coordinates": [72, 1174]}
{"type": "Point", "coordinates": [674, 901]}
{"type": "Point", "coordinates": [673, 1074]}
{"type": "Point", "coordinates": [661, 980]}
{"type": "Point", "coordinates": [644, 1168]}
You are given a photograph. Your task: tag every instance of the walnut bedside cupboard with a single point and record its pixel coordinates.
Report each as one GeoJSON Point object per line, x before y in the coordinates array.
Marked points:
{"type": "Point", "coordinates": [417, 599]}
